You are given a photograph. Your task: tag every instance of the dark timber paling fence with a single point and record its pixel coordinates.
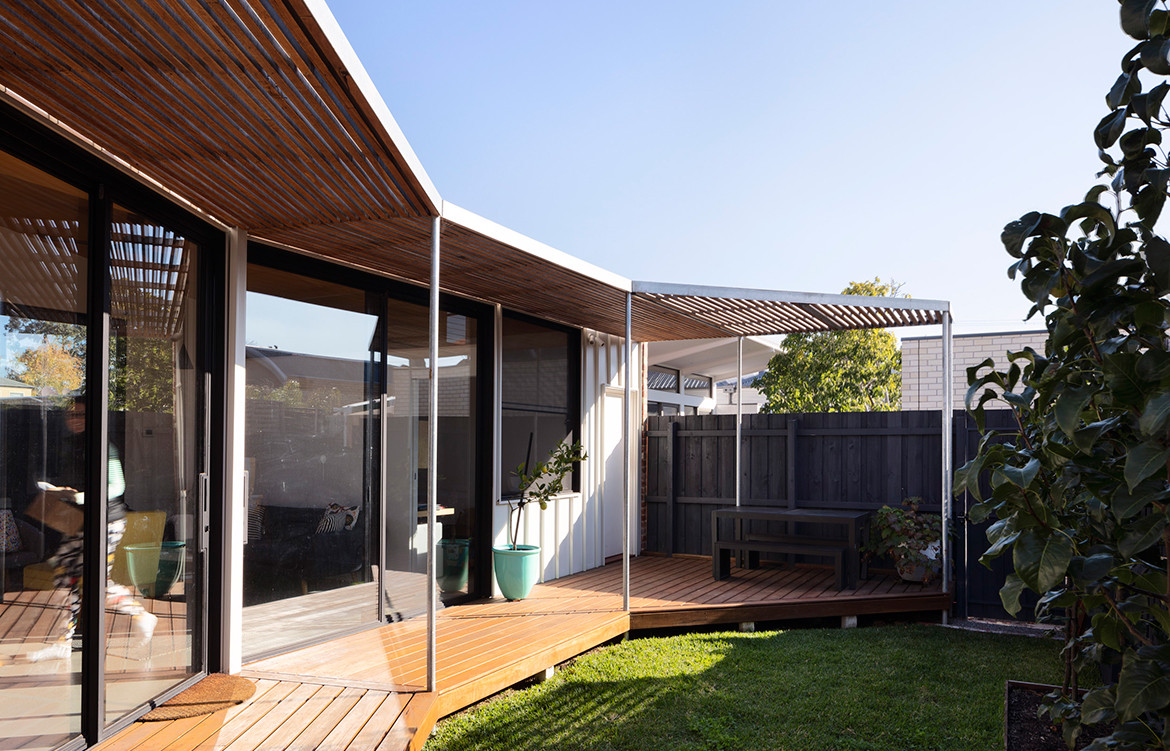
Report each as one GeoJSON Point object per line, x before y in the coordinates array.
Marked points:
{"type": "Point", "coordinates": [838, 460]}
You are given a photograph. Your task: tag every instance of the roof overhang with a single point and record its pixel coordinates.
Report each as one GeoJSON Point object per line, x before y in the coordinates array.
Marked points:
{"type": "Point", "coordinates": [258, 113]}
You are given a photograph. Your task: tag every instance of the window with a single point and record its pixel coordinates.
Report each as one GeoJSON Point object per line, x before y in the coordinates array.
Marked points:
{"type": "Point", "coordinates": [539, 393]}
{"type": "Point", "coordinates": [697, 385]}
{"type": "Point", "coordinates": [659, 378]}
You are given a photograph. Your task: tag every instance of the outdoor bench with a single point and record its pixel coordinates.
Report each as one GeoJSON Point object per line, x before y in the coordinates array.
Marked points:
{"type": "Point", "coordinates": [721, 559]}
{"type": "Point", "coordinates": [845, 554]}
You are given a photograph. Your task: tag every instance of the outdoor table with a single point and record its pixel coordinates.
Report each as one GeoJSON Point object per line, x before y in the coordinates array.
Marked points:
{"type": "Point", "coordinates": [853, 521]}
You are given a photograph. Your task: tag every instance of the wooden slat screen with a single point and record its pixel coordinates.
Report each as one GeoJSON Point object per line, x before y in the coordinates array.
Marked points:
{"type": "Point", "coordinates": [239, 106]}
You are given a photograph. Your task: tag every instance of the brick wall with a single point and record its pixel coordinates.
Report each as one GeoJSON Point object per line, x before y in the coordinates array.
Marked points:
{"type": "Point", "coordinates": [922, 375]}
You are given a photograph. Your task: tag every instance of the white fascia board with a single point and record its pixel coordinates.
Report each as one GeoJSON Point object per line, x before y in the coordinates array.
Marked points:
{"type": "Point", "coordinates": [806, 298]}
{"type": "Point", "coordinates": [361, 79]}
{"type": "Point", "coordinates": [501, 234]}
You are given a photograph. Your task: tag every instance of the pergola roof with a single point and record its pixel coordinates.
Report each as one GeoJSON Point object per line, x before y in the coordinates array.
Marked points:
{"type": "Point", "coordinates": [756, 312]}
{"type": "Point", "coordinates": [258, 114]}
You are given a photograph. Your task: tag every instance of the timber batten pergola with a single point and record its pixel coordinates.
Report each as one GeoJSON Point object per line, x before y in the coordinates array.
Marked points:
{"type": "Point", "coordinates": [259, 117]}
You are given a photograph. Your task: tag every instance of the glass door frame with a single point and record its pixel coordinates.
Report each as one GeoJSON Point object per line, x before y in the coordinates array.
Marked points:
{"type": "Point", "coordinates": [380, 290]}
{"type": "Point", "coordinates": [56, 155]}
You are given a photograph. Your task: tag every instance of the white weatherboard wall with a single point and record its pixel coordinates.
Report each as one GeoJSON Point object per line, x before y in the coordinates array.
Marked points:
{"type": "Point", "coordinates": [571, 532]}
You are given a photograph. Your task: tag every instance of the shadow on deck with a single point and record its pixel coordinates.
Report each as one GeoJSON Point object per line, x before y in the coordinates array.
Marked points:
{"type": "Point", "coordinates": [365, 691]}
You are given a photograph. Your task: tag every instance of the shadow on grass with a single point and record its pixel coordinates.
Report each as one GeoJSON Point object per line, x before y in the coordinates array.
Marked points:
{"type": "Point", "coordinates": [904, 687]}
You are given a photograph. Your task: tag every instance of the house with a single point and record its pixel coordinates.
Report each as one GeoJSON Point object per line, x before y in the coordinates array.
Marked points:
{"type": "Point", "coordinates": [304, 369]}
{"type": "Point", "coordinates": [747, 399]}
{"type": "Point", "coordinates": [698, 377]}
{"type": "Point", "coordinates": [922, 379]}
{"type": "Point", "coordinates": [12, 389]}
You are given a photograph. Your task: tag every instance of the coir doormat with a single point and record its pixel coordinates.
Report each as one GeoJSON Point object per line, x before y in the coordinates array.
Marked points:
{"type": "Point", "coordinates": [215, 692]}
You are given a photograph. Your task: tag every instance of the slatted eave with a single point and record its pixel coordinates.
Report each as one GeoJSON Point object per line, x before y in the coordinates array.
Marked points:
{"type": "Point", "coordinates": [745, 312]}
{"type": "Point", "coordinates": [238, 106]}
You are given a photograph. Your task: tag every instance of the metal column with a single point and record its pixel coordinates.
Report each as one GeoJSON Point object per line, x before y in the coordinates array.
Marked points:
{"type": "Point", "coordinates": [738, 418]}
{"type": "Point", "coordinates": [432, 452]}
{"type": "Point", "coordinates": [629, 356]}
{"type": "Point", "coordinates": [947, 413]}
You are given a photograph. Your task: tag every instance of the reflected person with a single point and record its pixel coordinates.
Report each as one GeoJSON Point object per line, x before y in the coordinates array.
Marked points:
{"type": "Point", "coordinates": [67, 560]}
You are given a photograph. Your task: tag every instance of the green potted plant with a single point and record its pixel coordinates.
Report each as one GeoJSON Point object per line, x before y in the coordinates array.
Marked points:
{"type": "Point", "coordinates": [517, 566]}
{"type": "Point", "coordinates": [911, 539]}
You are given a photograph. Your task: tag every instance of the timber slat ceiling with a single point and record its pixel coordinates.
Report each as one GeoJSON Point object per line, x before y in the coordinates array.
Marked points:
{"type": "Point", "coordinates": [747, 316]}
{"type": "Point", "coordinates": [240, 106]}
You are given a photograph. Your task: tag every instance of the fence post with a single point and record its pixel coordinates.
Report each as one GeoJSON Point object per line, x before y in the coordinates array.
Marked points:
{"type": "Point", "coordinates": [790, 480]}
{"type": "Point", "coordinates": [671, 452]}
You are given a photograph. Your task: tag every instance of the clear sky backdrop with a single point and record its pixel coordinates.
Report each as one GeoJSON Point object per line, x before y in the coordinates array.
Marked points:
{"type": "Point", "coordinates": [757, 143]}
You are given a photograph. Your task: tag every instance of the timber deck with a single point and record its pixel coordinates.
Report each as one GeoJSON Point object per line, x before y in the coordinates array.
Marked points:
{"type": "Point", "coordinates": [365, 691]}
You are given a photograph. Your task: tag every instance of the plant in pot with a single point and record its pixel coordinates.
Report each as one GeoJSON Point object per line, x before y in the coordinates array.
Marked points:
{"type": "Point", "coordinates": [912, 540]}
{"type": "Point", "coordinates": [517, 566]}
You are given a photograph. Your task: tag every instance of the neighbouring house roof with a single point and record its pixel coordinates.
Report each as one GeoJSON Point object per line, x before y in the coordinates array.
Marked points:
{"type": "Point", "coordinates": [10, 383]}
{"type": "Point", "coordinates": [717, 358]}
{"type": "Point", "coordinates": [259, 115]}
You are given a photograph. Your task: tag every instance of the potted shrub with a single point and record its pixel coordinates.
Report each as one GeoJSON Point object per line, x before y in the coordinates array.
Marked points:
{"type": "Point", "coordinates": [911, 539]}
{"type": "Point", "coordinates": [517, 566]}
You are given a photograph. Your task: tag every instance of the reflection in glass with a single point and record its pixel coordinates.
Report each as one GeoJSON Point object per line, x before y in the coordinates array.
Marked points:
{"type": "Point", "coordinates": [538, 410]}
{"type": "Point", "coordinates": [43, 251]}
{"type": "Point", "coordinates": [153, 598]}
{"type": "Point", "coordinates": [311, 429]}
{"type": "Point", "coordinates": [406, 451]}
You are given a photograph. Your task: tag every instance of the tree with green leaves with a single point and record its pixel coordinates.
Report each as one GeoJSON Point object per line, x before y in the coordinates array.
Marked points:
{"type": "Point", "coordinates": [837, 371]}
{"type": "Point", "coordinates": [1079, 490]}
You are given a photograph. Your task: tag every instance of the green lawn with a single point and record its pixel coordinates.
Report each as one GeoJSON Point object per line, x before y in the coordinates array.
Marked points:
{"type": "Point", "coordinates": [894, 687]}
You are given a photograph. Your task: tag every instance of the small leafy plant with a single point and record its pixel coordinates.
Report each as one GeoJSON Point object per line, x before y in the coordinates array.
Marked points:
{"type": "Point", "coordinates": [906, 536]}
{"type": "Point", "coordinates": [545, 481]}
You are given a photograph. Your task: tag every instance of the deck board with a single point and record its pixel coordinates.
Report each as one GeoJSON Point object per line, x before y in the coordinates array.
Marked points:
{"type": "Point", "coordinates": [364, 691]}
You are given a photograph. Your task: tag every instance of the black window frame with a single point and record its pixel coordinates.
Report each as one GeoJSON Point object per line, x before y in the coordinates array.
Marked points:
{"type": "Point", "coordinates": [572, 391]}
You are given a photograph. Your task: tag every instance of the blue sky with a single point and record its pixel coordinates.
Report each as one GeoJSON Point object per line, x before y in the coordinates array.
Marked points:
{"type": "Point", "coordinates": [761, 144]}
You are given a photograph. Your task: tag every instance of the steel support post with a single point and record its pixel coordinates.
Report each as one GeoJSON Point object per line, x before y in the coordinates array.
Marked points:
{"type": "Point", "coordinates": [432, 452]}
{"type": "Point", "coordinates": [947, 414]}
{"type": "Point", "coordinates": [627, 410]}
{"type": "Point", "coordinates": [738, 418]}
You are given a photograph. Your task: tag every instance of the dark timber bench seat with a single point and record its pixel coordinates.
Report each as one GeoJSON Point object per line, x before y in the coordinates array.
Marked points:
{"type": "Point", "coordinates": [721, 558]}
{"type": "Point", "coordinates": [845, 554]}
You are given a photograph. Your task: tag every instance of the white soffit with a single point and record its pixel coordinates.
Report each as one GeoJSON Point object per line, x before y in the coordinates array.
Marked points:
{"type": "Point", "coordinates": [712, 357]}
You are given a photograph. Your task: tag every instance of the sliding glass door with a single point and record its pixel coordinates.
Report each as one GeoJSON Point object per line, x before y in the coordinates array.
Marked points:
{"type": "Point", "coordinates": [139, 347]}
{"type": "Point", "coordinates": [337, 426]}
{"type": "Point", "coordinates": [158, 449]}
{"type": "Point", "coordinates": [406, 431]}
{"type": "Point", "coordinates": [44, 251]}
{"type": "Point", "coordinates": [311, 428]}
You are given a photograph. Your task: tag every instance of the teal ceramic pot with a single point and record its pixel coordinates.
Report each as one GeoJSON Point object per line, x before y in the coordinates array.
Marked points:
{"type": "Point", "coordinates": [516, 570]}
{"type": "Point", "coordinates": [155, 567]}
{"type": "Point", "coordinates": [453, 556]}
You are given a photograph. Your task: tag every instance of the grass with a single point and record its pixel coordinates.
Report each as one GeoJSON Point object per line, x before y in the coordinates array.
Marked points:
{"type": "Point", "coordinates": [900, 688]}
